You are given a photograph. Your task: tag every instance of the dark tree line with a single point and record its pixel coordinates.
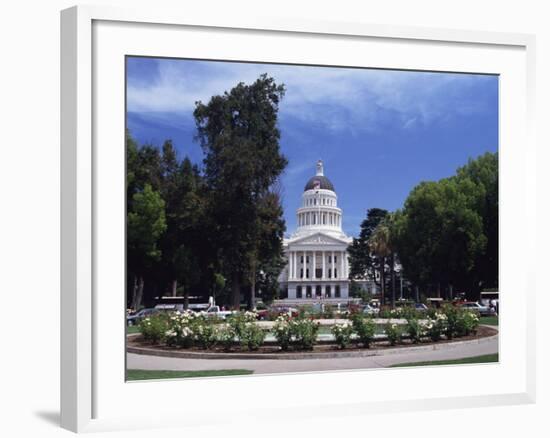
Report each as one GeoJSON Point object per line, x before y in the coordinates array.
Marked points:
{"type": "Point", "coordinates": [445, 237]}
{"type": "Point", "coordinates": [215, 230]}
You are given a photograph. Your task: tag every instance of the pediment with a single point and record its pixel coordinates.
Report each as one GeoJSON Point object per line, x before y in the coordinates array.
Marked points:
{"type": "Point", "coordinates": [318, 239]}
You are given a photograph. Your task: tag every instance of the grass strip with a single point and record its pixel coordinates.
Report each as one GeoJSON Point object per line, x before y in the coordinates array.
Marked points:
{"type": "Point", "coordinates": [168, 374]}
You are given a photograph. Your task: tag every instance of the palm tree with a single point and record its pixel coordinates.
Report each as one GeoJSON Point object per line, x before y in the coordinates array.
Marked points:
{"type": "Point", "coordinates": [380, 245]}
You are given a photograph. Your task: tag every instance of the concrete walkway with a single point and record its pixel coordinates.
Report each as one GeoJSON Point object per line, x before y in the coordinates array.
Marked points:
{"type": "Point", "coordinates": [267, 366]}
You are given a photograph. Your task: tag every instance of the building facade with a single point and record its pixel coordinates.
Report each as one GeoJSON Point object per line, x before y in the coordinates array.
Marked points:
{"type": "Point", "coordinates": [317, 259]}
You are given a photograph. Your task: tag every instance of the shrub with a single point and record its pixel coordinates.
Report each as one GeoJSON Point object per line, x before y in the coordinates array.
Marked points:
{"type": "Point", "coordinates": [452, 315]}
{"type": "Point", "coordinates": [364, 327]}
{"type": "Point", "coordinates": [206, 333]}
{"type": "Point", "coordinates": [304, 333]}
{"type": "Point", "coordinates": [226, 337]}
{"type": "Point", "coordinates": [393, 333]}
{"type": "Point", "coordinates": [409, 313]}
{"type": "Point", "coordinates": [239, 320]}
{"type": "Point", "coordinates": [466, 323]}
{"type": "Point", "coordinates": [436, 326]}
{"type": "Point", "coordinates": [252, 336]}
{"type": "Point", "coordinates": [154, 328]}
{"type": "Point", "coordinates": [416, 330]}
{"type": "Point", "coordinates": [244, 329]}
{"type": "Point", "coordinates": [328, 312]}
{"type": "Point", "coordinates": [342, 333]}
{"type": "Point", "coordinates": [283, 331]}
{"type": "Point", "coordinates": [182, 329]}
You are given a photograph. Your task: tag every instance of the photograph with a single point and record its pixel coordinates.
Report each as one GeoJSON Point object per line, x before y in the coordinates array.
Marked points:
{"type": "Point", "coordinates": [288, 218]}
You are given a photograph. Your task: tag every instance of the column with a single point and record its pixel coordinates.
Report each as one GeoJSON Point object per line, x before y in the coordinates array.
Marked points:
{"type": "Point", "coordinates": [290, 265]}
{"type": "Point", "coordinates": [313, 268]}
{"type": "Point", "coordinates": [303, 265]}
{"type": "Point", "coordinates": [323, 254]}
{"type": "Point", "coordinates": [332, 262]}
{"type": "Point", "coordinates": [294, 263]}
{"type": "Point", "coordinates": [342, 264]}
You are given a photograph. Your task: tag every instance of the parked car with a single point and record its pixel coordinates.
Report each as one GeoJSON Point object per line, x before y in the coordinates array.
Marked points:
{"type": "Point", "coordinates": [284, 310]}
{"type": "Point", "coordinates": [370, 310]}
{"type": "Point", "coordinates": [476, 307]}
{"type": "Point", "coordinates": [135, 318]}
{"type": "Point", "coordinates": [421, 307]}
{"type": "Point", "coordinates": [216, 312]}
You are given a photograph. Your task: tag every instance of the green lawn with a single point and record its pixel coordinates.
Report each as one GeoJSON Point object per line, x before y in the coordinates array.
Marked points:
{"type": "Point", "coordinates": [476, 359]}
{"type": "Point", "coordinates": [489, 320]}
{"type": "Point", "coordinates": [165, 374]}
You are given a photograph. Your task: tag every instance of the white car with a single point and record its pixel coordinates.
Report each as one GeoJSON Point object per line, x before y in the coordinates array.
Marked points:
{"type": "Point", "coordinates": [216, 312]}
{"type": "Point", "coordinates": [369, 310]}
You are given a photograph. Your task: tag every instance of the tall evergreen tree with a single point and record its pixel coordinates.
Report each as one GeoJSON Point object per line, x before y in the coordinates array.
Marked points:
{"type": "Point", "coordinates": [239, 136]}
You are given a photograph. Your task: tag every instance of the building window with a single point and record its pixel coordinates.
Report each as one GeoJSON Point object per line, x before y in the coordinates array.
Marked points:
{"type": "Point", "coordinates": [302, 259]}
{"type": "Point", "coordinates": [318, 273]}
{"type": "Point", "coordinates": [299, 292]}
{"type": "Point", "coordinates": [308, 291]}
{"type": "Point", "coordinates": [307, 259]}
{"type": "Point", "coordinates": [335, 273]}
{"type": "Point", "coordinates": [327, 291]}
{"type": "Point", "coordinates": [337, 291]}
{"type": "Point", "coordinates": [329, 273]}
{"type": "Point", "coordinates": [302, 273]}
{"type": "Point", "coordinates": [307, 273]}
{"type": "Point", "coordinates": [318, 291]}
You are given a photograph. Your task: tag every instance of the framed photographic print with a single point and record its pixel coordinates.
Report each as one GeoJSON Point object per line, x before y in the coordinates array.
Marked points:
{"type": "Point", "coordinates": [323, 212]}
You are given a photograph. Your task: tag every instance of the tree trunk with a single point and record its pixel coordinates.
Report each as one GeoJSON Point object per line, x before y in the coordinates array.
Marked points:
{"type": "Point", "coordinates": [382, 281]}
{"type": "Point", "coordinates": [139, 294]}
{"type": "Point", "coordinates": [417, 293]}
{"type": "Point", "coordinates": [253, 292]}
{"type": "Point", "coordinates": [252, 300]}
{"type": "Point", "coordinates": [174, 288]}
{"type": "Point", "coordinates": [186, 298]}
{"type": "Point", "coordinates": [236, 292]}
{"type": "Point", "coordinates": [392, 279]}
{"type": "Point", "coordinates": [134, 294]}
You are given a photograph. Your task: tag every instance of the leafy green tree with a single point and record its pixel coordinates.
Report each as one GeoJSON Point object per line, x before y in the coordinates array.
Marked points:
{"type": "Point", "coordinates": [442, 232]}
{"type": "Point", "coordinates": [182, 242]}
{"type": "Point", "coordinates": [146, 222]}
{"type": "Point", "coordinates": [239, 136]}
{"type": "Point", "coordinates": [483, 171]}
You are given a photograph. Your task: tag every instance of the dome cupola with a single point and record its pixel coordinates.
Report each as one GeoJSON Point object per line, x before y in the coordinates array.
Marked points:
{"type": "Point", "coordinates": [319, 181]}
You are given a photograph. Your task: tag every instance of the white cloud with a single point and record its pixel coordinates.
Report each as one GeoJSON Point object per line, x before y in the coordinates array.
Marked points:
{"type": "Point", "coordinates": [335, 97]}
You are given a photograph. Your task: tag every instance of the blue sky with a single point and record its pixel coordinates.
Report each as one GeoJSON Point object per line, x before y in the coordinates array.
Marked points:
{"type": "Point", "coordinates": [379, 132]}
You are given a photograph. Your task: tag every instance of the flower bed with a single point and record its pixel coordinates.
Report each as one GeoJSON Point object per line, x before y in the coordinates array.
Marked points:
{"type": "Point", "coordinates": [241, 332]}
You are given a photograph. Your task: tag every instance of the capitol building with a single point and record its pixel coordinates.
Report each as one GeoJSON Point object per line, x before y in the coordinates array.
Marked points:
{"type": "Point", "coordinates": [316, 253]}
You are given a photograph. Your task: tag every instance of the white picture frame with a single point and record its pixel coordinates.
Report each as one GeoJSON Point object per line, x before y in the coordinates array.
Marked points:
{"type": "Point", "coordinates": [91, 388]}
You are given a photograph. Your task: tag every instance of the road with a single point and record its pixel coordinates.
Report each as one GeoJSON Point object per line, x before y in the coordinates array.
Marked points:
{"type": "Point", "coordinates": [267, 366]}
